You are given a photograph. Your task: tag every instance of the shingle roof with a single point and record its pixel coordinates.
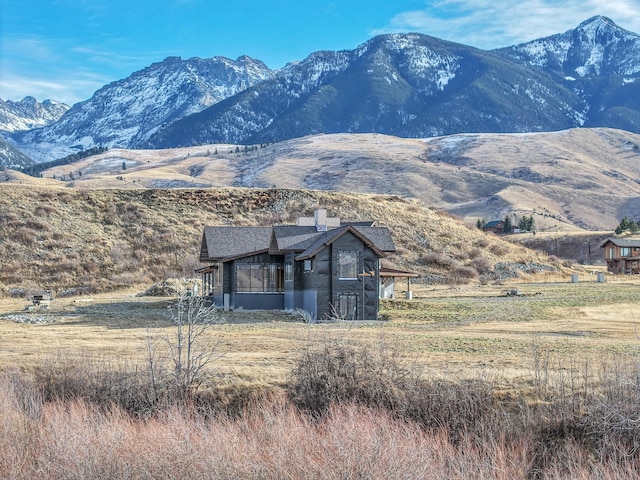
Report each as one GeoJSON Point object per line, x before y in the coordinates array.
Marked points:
{"type": "Point", "coordinates": [623, 242]}
{"type": "Point", "coordinates": [493, 223]}
{"type": "Point", "coordinates": [293, 238]}
{"type": "Point", "coordinates": [380, 236]}
{"type": "Point", "coordinates": [229, 242]}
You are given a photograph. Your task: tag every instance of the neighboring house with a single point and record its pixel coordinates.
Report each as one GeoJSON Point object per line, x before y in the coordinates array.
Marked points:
{"type": "Point", "coordinates": [320, 265]}
{"type": "Point", "coordinates": [495, 226]}
{"type": "Point", "coordinates": [622, 255]}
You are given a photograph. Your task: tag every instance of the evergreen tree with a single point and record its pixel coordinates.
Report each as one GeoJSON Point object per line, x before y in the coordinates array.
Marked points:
{"type": "Point", "coordinates": [508, 227]}
{"type": "Point", "coordinates": [526, 223]}
{"type": "Point", "coordinates": [627, 225]}
{"type": "Point", "coordinates": [624, 223]}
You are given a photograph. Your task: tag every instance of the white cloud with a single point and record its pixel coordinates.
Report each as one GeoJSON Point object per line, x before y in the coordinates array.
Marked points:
{"type": "Point", "coordinates": [16, 87]}
{"type": "Point", "coordinates": [500, 23]}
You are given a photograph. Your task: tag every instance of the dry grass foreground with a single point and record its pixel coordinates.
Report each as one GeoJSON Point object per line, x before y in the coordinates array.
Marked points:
{"type": "Point", "coordinates": [463, 331]}
{"type": "Point", "coordinates": [568, 180]}
{"type": "Point", "coordinates": [539, 385]}
{"type": "Point", "coordinates": [76, 241]}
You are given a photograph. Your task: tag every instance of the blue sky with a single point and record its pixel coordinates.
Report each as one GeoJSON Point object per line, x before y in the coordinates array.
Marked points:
{"type": "Point", "coordinates": [67, 49]}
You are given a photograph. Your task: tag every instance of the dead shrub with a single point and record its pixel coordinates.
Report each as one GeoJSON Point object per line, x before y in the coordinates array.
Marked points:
{"type": "Point", "coordinates": [499, 249]}
{"type": "Point", "coordinates": [44, 210]}
{"type": "Point", "coordinates": [482, 265]}
{"type": "Point", "coordinates": [438, 259]}
{"type": "Point", "coordinates": [340, 372]}
{"type": "Point", "coordinates": [463, 274]}
{"type": "Point", "coordinates": [24, 235]}
{"type": "Point", "coordinates": [38, 225]}
{"type": "Point", "coordinates": [336, 372]}
{"type": "Point", "coordinates": [104, 383]}
{"type": "Point", "coordinates": [482, 242]}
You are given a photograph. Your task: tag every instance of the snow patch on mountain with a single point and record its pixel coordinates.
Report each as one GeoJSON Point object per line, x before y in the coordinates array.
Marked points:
{"type": "Point", "coordinates": [127, 112]}
{"type": "Point", "coordinates": [597, 46]}
{"type": "Point", "coordinates": [28, 113]}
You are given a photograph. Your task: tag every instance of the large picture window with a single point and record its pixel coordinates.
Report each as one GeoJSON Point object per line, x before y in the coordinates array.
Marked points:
{"type": "Point", "coordinates": [625, 252]}
{"type": "Point", "coordinates": [348, 265]}
{"type": "Point", "coordinates": [259, 277]}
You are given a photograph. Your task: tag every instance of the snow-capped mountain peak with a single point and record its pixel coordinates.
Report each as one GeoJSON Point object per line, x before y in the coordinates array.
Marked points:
{"type": "Point", "coordinates": [596, 47]}
{"type": "Point", "coordinates": [28, 113]}
{"type": "Point", "coordinates": [408, 85]}
{"type": "Point", "coordinates": [127, 112]}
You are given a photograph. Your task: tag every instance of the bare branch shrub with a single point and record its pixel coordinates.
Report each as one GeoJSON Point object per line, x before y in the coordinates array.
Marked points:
{"type": "Point", "coordinates": [336, 372]}
{"type": "Point", "coordinates": [482, 265]}
{"type": "Point", "coordinates": [498, 249]}
{"type": "Point", "coordinates": [98, 381]}
{"type": "Point", "coordinates": [340, 372]}
{"type": "Point", "coordinates": [463, 274]}
{"type": "Point", "coordinates": [191, 349]}
{"type": "Point", "coordinates": [438, 259]}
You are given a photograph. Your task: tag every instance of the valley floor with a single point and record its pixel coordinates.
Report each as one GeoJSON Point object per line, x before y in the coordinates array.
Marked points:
{"type": "Point", "coordinates": [465, 330]}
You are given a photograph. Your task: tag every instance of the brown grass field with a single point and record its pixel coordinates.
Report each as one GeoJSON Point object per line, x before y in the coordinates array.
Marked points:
{"type": "Point", "coordinates": [572, 180]}
{"type": "Point", "coordinates": [542, 385]}
{"type": "Point", "coordinates": [461, 381]}
{"type": "Point", "coordinates": [464, 331]}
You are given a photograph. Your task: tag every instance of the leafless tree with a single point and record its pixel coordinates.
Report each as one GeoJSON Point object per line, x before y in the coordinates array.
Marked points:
{"type": "Point", "coordinates": [192, 348]}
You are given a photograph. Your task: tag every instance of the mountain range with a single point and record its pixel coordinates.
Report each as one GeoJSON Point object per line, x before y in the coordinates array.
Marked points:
{"type": "Point", "coordinates": [406, 85]}
{"type": "Point", "coordinates": [127, 112]}
{"type": "Point", "coordinates": [28, 114]}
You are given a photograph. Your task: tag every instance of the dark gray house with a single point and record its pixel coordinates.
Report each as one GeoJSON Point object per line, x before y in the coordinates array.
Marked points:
{"type": "Point", "coordinates": [320, 265]}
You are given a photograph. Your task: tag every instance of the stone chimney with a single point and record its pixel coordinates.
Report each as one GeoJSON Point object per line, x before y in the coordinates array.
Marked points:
{"type": "Point", "coordinates": [320, 217]}
{"type": "Point", "coordinates": [320, 220]}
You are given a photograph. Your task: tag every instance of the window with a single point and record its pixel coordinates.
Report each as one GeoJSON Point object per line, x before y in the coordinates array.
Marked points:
{"type": "Point", "coordinates": [348, 306]}
{"type": "Point", "coordinates": [308, 265]}
{"type": "Point", "coordinates": [612, 252]}
{"type": "Point", "coordinates": [259, 277]}
{"type": "Point", "coordinates": [288, 272]}
{"type": "Point", "coordinates": [625, 252]}
{"type": "Point", "coordinates": [348, 265]}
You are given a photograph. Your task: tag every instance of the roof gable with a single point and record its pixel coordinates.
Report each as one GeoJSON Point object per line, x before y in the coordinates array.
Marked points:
{"type": "Point", "coordinates": [293, 238]}
{"type": "Point", "coordinates": [327, 238]}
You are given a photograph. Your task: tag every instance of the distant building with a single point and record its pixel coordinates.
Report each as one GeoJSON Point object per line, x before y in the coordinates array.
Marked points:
{"type": "Point", "coordinates": [494, 226]}
{"type": "Point", "coordinates": [622, 255]}
{"type": "Point", "coordinates": [320, 265]}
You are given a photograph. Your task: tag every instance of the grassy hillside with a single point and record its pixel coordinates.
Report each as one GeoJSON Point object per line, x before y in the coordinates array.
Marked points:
{"type": "Point", "coordinates": [580, 179]}
{"type": "Point", "coordinates": [81, 240]}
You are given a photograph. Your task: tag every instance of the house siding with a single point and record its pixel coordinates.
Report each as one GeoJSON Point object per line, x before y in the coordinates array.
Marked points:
{"type": "Point", "coordinates": [368, 261]}
{"type": "Point", "coordinates": [320, 281]}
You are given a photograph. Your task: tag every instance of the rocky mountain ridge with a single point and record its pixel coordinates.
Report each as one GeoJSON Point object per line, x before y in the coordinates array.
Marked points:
{"type": "Point", "coordinates": [406, 85]}
{"type": "Point", "coordinates": [127, 112]}
{"type": "Point", "coordinates": [413, 85]}
{"type": "Point", "coordinates": [29, 113]}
